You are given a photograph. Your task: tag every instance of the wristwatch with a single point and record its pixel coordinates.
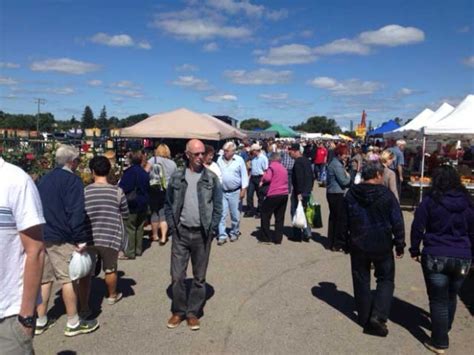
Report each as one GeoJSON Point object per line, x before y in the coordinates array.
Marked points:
{"type": "Point", "coordinates": [27, 322]}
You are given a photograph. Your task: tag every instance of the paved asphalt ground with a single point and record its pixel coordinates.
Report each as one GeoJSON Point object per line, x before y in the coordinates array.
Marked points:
{"type": "Point", "coordinates": [290, 299]}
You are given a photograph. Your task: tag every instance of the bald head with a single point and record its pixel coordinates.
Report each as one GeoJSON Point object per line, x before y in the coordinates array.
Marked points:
{"type": "Point", "coordinates": [195, 152]}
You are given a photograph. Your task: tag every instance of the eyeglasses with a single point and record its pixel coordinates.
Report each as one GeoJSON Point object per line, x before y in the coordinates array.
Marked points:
{"type": "Point", "coordinates": [197, 154]}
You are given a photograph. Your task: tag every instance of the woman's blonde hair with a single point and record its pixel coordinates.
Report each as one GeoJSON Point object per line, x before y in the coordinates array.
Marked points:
{"type": "Point", "coordinates": [163, 151]}
{"type": "Point", "coordinates": [386, 156]}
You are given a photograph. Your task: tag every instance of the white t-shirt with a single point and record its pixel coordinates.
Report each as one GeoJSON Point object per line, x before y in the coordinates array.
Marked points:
{"type": "Point", "coordinates": [216, 170]}
{"type": "Point", "coordinates": [20, 209]}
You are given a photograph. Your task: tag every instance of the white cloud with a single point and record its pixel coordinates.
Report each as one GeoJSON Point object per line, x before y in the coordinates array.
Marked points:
{"type": "Point", "coordinates": [469, 61]}
{"type": "Point", "coordinates": [259, 77]}
{"type": "Point", "coordinates": [121, 40]}
{"type": "Point", "coordinates": [392, 36]}
{"type": "Point", "coordinates": [233, 7]}
{"type": "Point", "coordinates": [351, 87]}
{"type": "Point", "coordinates": [210, 47]}
{"type": "Point", "coordinates": [343, 45]}
{"type": "Point", "coordinates": [193, 26]}
{"type": "Point", "coordinates": [64, 65]}
{"type": "Point", "coordinates": [61, 91]}
{"type": "Point", "coordinates": [9, 65]}
{"type": "Point", "coordinates": [144, 45]}
{"type": "Point", "coordinates": [288, 54]}
{"type": "Point", "coordinates": [135, 94]}
{"type": "Point", "coordinates": [192, 82]}
{"type": "Point", "coordinates": [221, 98]}
{"type": "Point", "coordinates": [7, 81]}
{"type": "Point", "coordinates": [306, 34]}
{"type": "Point", "coordinates": [187, 67]}
{"type": "Point", "coordinates": [124, 84]}
{"type": "Point", "coordinates": [405, 92]}
{"type": "Point", "coordinates": [95, 82]}
{"type": "Point", "coordinates": [465, 29]}
{"type": "Point", "coordinates": [274, 97]}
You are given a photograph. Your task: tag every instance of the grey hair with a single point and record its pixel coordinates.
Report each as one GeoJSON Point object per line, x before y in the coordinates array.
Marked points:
{"type": "Point", "coordinates": [275, 156]}
{"type": "Point", "coordinates": [229, 145]}
{"type": "Point", "coordinates": [66, 154]}
{"type": "Point", "coordinates": [371, 168]}
{"type": "Point", "coordinates": [401, 142]}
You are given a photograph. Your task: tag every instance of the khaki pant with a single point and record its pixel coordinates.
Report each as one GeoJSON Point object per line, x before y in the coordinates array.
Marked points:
{"type": "Point", "coordinates": [56, 262]}
{"type": "Point", "coordinates": [13, 339]}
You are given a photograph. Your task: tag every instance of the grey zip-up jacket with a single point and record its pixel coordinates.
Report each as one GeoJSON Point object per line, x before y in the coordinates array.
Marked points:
{"type": "Point", "coordinates": [209, 198]}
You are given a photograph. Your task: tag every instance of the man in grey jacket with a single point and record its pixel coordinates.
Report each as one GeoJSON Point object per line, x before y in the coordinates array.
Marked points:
{"type": "Point", "coordinates": [193, 211]}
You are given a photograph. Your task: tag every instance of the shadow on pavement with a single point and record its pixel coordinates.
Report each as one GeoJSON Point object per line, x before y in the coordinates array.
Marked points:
{"type": "Point", "coordinates": [97, 294]}
{"type": "Point", "coordinates": [466, 294]}
{"type": "Point", "coordinates": [67, 352]}
{"type": "Point", "coordinates": [209, 293]}
{"type": "Point", "coordinates": [406, 315]}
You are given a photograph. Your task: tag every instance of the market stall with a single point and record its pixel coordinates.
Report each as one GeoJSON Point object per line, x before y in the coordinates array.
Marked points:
{"type": "Point", "coordinates": [182, 123]}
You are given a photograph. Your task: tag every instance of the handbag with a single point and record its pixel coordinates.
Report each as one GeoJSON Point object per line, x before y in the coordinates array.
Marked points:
{"type": "Point", "coordinates": [313, 213]}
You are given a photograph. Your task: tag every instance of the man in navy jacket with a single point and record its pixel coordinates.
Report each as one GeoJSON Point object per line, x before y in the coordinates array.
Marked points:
{"type": "Point", "coordinates": [374, 228]}
{"type": "Point", "coordinates": [62, 196]}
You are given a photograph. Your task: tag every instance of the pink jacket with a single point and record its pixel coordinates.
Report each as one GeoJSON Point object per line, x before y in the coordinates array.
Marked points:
{"type": "Point", "coordinates": [277, 176]}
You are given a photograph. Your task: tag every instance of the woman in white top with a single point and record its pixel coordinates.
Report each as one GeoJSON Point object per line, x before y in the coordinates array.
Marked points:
{"type": "Point", "coordinates": [209, 163]}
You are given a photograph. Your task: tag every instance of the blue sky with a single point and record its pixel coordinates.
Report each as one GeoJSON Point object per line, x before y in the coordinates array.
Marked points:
{"type": "Point", "coordinates": [280, 60]}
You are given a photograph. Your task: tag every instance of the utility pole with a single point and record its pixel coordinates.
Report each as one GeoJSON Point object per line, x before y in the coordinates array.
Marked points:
{"type": "Point", "coordinates": [39, 102]}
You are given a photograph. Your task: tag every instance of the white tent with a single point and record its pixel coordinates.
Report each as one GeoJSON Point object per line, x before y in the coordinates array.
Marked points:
{"type": "Point", "coordinates": [459, 123]}
{"type": "Point", "coordinates": [182, 123]}
{"type": "Point", "coordinates": [411, 127]}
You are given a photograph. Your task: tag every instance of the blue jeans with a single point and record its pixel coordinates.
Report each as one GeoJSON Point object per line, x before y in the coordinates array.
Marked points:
{"type": "Point", "coordinates": [230, 203]}
{"type": "Point", "coordinates": [444, 277]}
{"type": "Point", "coordinates": [319, 170]}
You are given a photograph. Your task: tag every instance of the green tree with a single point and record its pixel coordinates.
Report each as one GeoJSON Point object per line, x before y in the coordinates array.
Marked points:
{"type": "Point", "coordinates": [46, 122]}
{"type": "Point", "coordinates": [88, 118]}
{"type": "Point", "coordinates": [318, 124]}
{"type": "Point", "coordinates": [131, 120]}
{"type": "Point", "coordinates": [254, 123]}
{"type": "Point", "coordinates": [102, 121]}
{"type": "Point", "coordinates": [114, 122]}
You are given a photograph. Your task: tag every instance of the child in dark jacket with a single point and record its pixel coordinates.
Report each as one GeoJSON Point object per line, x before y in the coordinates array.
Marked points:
{"type": "Point", "coordinates": [444, 221]}
{"type": "Point", "coordinates": [374, 228]}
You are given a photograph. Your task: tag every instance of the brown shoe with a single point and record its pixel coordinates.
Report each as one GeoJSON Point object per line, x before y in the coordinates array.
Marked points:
{"type": "Point", "coordinates": [193, 323]}
{"type": "Point", "coordinates": [174, 321]}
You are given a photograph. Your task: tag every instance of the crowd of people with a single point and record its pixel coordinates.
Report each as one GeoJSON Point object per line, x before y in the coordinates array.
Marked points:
{"type": "Point", "coordinates": [42, 226]}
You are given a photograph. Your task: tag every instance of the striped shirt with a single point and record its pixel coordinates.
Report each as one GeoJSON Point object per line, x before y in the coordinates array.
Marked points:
{"type": "Point", "coordinates": [106, 208]}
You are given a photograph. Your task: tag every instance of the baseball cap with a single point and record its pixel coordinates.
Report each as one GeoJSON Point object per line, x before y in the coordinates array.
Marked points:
{"type": "Point", "coordinates": [255, 146]}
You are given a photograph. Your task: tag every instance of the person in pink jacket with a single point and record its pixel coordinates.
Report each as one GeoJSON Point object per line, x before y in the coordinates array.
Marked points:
{"type": "Point", "coordinates": [276, 181]}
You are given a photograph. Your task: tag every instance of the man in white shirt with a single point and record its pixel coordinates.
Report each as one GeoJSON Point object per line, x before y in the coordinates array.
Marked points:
{"type": "Point", "coordinates": [234, 184]}
{"type": "Point", "coordinates": [21, 258]}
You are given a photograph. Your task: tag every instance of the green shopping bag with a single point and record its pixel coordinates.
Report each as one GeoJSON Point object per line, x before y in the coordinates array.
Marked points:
{"type": "Point", "coordinates": [313, 214]}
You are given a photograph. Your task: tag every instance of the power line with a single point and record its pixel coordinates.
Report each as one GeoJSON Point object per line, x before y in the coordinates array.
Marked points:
{"type": "Point", "coordinates": [40, 102]}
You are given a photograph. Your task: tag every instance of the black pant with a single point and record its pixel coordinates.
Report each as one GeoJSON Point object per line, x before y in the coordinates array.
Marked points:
{"type": "Point", "coordinates": [189, 244]}
{"type": "Point", "coordinates": [273, 205]}
{"type": "Point", "coordinates": [337, 219]}
{"type": "Point", "coordinates": [379, 307]}
{"type": "Point", "coordinates": [252, 189]}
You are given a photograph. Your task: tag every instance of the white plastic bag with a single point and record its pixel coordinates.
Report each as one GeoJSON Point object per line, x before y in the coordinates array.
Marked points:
{"type": "Point", "coordinates": [80, 265]}
{"type": "Point", "coordinates": [299, 219]}
{"type": "Point", "coordinates": [358, 179]}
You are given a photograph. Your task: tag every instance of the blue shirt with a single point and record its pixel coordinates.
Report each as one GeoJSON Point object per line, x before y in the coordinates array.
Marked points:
{"type": "Point", "coordinates": [234, 173]}
{"type": "Point", "coordinates": [259, 165]}
{"type": "Point", "coordinates": [399, 158]}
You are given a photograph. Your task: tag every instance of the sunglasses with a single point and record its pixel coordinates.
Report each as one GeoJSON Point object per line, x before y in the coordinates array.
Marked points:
{"type": "Point", "coordinates": [197, 154]}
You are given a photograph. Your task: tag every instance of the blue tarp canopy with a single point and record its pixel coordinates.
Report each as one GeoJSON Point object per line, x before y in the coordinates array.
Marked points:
{"type": "Point", "coordinates": [384, 128]}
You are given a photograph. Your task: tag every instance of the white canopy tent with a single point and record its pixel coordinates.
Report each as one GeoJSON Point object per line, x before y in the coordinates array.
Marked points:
{"type": "Point", "coordinates": [459, 123]}
{"type": "Point", "coordinates": [182, 123]}
{"type": "Point", "coordinates": [412, 127]}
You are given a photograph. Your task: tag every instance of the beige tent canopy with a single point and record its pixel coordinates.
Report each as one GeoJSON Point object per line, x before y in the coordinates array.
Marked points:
{"type": "Point", "coordinates": [182, 123]}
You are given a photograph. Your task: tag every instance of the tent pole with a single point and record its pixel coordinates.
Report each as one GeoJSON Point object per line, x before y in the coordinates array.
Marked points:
{"type": "Point", "coordinates": [422, 166]}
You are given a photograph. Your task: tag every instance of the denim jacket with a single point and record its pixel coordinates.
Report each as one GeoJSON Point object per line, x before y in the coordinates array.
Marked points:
{"type": "Point", "coordinates": [337, 180]}
{"type": "Point", "coordinates": [209, 197]}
